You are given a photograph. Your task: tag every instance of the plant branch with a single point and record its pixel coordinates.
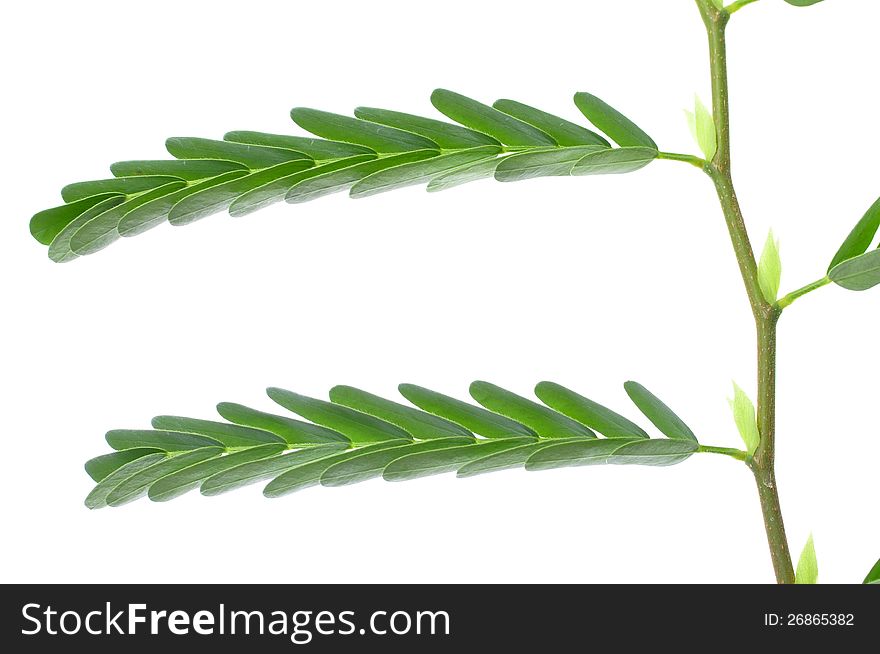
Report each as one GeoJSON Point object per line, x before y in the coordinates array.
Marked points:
{"type": "Point", "coordinates": [766, 315]}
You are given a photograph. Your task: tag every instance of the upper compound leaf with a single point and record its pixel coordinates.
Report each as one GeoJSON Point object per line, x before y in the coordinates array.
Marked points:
{"type": "Point", "coordinates": [318, 149]}
{"type": "Point", "coordinates": [252, 156]}
{"type": "Point", "coordinates": [103, 466]}
{"type": "Point", "coordinates": [168, 441]}
{"type": "Point", "coordinates": [102, 230]}
{"type": "Point", "coordinates": [482, 169]}
{"type": "Point", "coordinates": [189, 169]}
{"type": "Point", "coordinates": [547, 423]}
{"type": "Point", "coordinates": [276, 191]}
{"type": "Point", "coordinates": [488, 120]}
{"type": "Point", "coordinates": [49, 223]}
{"type": "Point", "coordinates": [621, 129]}
{"type": "Point", "coordinates": [339, 180]}
{"type": "Point", "coordinates": [654, 452]}
{"type": "Point", "coordinates": [254, 471]}
{"type": "Point", "coordinates": [379, 138]}
{"type": "Point", "coordinates": [309, 474]}
{"type": "Point", "coordinates": [564, 132]}
{"type": "Point", "coordinates": [515, 457]}
{"type": "Point", "coordinates": [358, 427]}
{"type": "Point", "coordinates": [363, 466]}
{"type": "Point", "coordinates": [615, 162]}
{"type": "Point", "coordinates": [450, 459]}
{"type": "Point", "coordinates": [858, 274]}
{"type": "Point", "coordinates": [589, 413]}
{"type": "Point", "coordinates": [574, 453]}
{"type": "Point", "coordinates": [295, 432]}
{"type": "Point", "coordinates": [123, 185]}
{"type": "Point", "coordinates": [97, 498]}
{"type": "Point", "coordinates": [151, 214]}
{"type": "Point", "coordinates": [139, 483]}
{"type": "Point", "coordinates": [543, 163]}
{"type": "Point", "coordinates": [181, 482]}
{"type": "Point", "coordinates": [476, 419]}
{"type": "Point", "coordinates": [217, 198]}
{"type": "Point", "coordinates": [446, 135]}
{"type": "Point", "coordinates": [232, 436]}
{"type": "Point", "coordinates": [418, 172]}
{"type": "Point", "coordinates": [861, 237]}
{"type": "Point", "coordinates": [59, 249]}
{"type": "Point", "coordinates": [658, 413]}
{"type": "Point", "coordinates": [420, 424]}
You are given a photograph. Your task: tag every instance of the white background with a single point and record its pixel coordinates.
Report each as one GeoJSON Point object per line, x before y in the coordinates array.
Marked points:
{"type": "Point", "coordinates": [588, 282]}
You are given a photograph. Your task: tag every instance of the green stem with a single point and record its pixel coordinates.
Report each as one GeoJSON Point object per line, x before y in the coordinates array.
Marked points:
{"type": "Point", "coordinates": [766, 315]}
{"type": "Point", "coordinates": [734, 7]}
{"type": "Point", "coordinates": [809, 288]}
{"type": "Point", "coordinates": [685, 158]}
{"type": "Point", "coordinates": [739, 455]}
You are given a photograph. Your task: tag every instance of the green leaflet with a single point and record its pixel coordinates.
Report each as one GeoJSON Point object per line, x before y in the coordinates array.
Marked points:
{"type": "Point", "coordinates": [588, 413]}
{"type": "Point", "coordinates": [364, 466]}
{"type": "Point", "coordinates": [154, 213]}
{"type": "Point", "coordinates": [874, 575]}
{"type": "Point", "coordinates": [565, 133]}
{"type": "Point", "coordinates": [123, 185]}
{"type": "Point", "coordinates": [515, 457]}
{"type": "Point", "coordinates": [97, 498]}
{"type": "Point", "coordinates": [654, 453]}
{"type": "Point", "coordinates": [356, 426]}
{"type": "Point", "coordinates": [59, 249]}
{"type": "Point", "coordinates": [168, 441]}
{"type": "Point", "coordinates": [420, 424]}
{"type": "Point", "coordinates": [803, 3]}
{"type": "Point", "coordinates": [318, 149]}
{"type": "Point", "coordinates": [214, 199]}
{"type": "Point", "coordinates": [250, 473]}
{"type": "Point", "coordinates": [621, 129]}
{"type": "Point", "coordinates": [309, 474]}
{"type": "Point", "coordinates": [353, 130]}
{"type": "Point", "coordinates": [190, 170]}
{"type": "Point", "coordinates": [418, 172]}
{"type": "Point", "coordinates": [446, 135]}
{"type": "Point", "coordinates": [858, 274]}
{"type": "Point", "coordinates": [658, 413]}
{"type": "Point", "coordinates": [702, 124]}
{"type": "Point", "coordinates": [615, 162]}
{"type": "Point", "coordinates": [860, 238]}
{"type": "Point", "coordinates": [744, 417]}
{"type": "Point", "coordinates": [546, 423]}
{"type": "Point", "coordinates": [178, 483]}
{"type": "Point", "coordinates": [488, 120]}
{"type": "Point", "coordinates": [103, 466]}
{"type": "Point", "coordinates": [808, 567]}
{"type": "Point", "coordinates": [232, 436]}
{"type": "Point", "coordinates": [574, 453]}
{"type": "Point", "coordinates": [99, 232]}
{"type": "Point", "coordinates": [529, 165]}
{"type": "Point", "coordinates": [46, 225]}
{"type": "Point", "coordinates": [450, 459]}
{"type": "Point", "coordinates": [317, 187]}
{"type": "Point", "coordinates": [276, 191]}
{"type": "Point", "coordinates": [770, 269]}
{"type": "Point", "coordinates": [295, 432]}
{"type": "Point", "coordinates": [482, 169]}
{"type": "Point", "coordinates": [252, 156]}
{"type": "Point", "coordinates": [476, 419]}
{"type": "Point", "coordinates": [136, 485]}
